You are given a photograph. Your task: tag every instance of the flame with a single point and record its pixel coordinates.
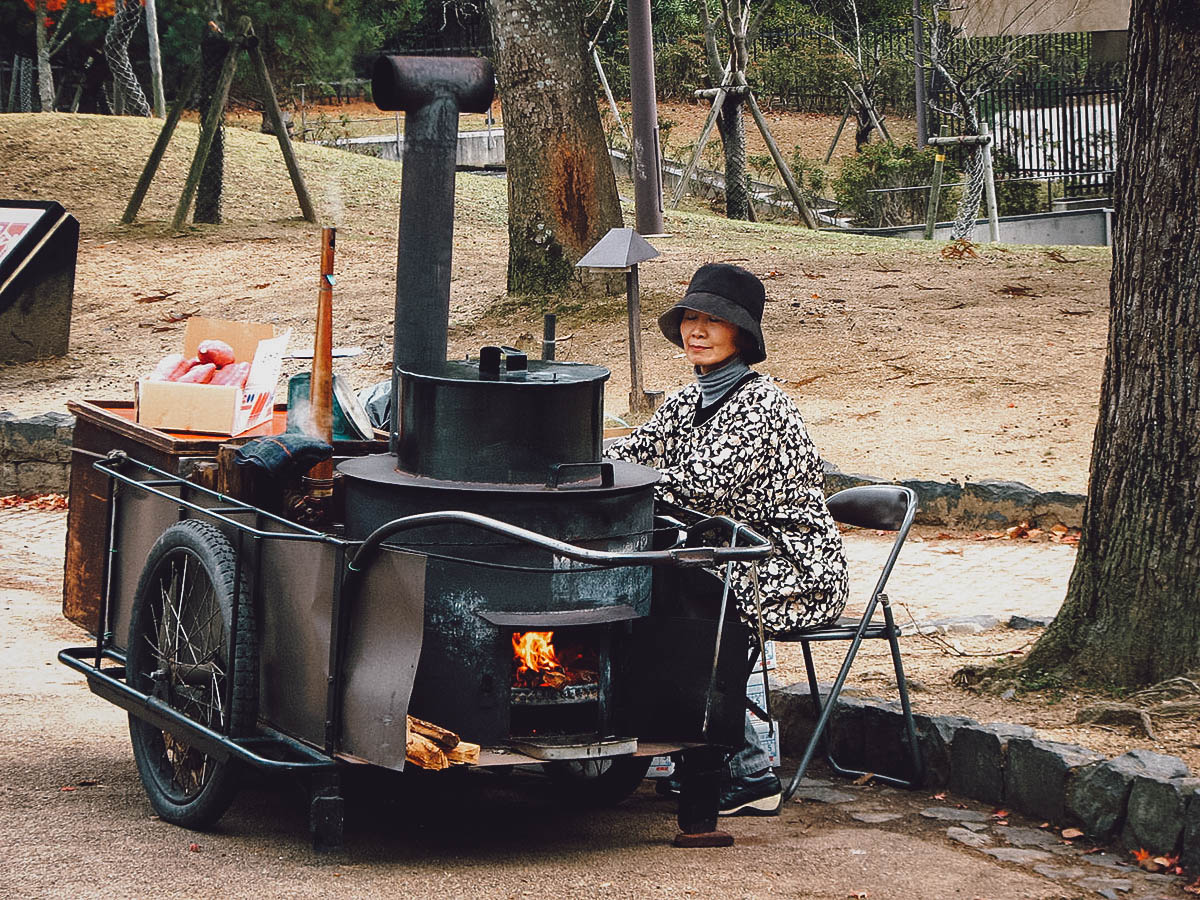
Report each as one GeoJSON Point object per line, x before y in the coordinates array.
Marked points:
{"type": "Point", "coordinates": [534, 652]}
{"type": "Point", "coordinates": [536, 663]}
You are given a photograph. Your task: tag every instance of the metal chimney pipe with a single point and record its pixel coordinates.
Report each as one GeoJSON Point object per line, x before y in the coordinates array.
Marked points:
{"type": "Point", "coordinates": [431, 91]}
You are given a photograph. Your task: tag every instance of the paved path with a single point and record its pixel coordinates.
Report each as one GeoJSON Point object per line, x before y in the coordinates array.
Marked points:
{"type": "Point", "coordinates": [937, 579]}
{"type": "Point", "coordinates": [74, 821]}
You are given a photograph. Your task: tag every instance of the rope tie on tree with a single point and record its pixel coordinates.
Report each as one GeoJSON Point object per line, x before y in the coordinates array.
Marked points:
{"type": "Point", "coordinates": [127, 92]}
{"type": "Point", "coordinates": [968, 207]}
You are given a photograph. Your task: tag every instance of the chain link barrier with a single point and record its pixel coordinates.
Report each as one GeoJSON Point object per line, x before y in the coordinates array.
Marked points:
{"type": "Point", "coordinates": [127, 95]}
{"type": "Point", "coordinates": [968, 207]}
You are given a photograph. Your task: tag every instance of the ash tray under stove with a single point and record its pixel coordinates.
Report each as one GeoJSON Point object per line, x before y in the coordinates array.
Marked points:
{"type": "Point", "coordinates": [574, 746]}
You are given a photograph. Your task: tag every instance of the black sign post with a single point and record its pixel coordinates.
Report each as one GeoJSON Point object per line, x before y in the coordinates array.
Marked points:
{"type": "Point", "coordinates": [39, 243]}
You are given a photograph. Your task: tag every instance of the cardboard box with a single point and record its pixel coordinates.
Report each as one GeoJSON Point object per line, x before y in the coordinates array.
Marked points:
{"type": "Point", "coordinates": [768, 657]}
{"type": "Point", "coordinates": [218, 409]}
{"type": "Point", "coordinates": [768, 739]}
{"type": "Point", "coordinates": [661, 767]}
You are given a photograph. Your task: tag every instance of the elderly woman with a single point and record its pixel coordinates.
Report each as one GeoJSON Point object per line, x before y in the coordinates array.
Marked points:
{"type": "Point", "coordinates": [733, 443]}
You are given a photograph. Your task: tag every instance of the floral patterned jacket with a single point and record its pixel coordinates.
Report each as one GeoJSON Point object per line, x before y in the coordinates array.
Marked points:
{"type": "Point", "coordinates": [752, 460]}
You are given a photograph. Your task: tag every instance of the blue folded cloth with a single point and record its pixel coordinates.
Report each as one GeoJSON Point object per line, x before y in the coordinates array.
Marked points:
{"type": "Point", "coordinates": [284, 455]}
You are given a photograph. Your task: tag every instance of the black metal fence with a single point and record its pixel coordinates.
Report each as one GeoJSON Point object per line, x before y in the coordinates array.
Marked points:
{"type": "Point", "coordinates": [1057, 130]}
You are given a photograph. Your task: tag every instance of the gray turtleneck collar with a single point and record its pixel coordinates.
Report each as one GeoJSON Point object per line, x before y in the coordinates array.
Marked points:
{"type": "Point", "coordinates": [717, 383]}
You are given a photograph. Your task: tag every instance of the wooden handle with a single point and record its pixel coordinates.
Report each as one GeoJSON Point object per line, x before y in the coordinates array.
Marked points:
{"type": "Point", "coordinates": [320, 386]}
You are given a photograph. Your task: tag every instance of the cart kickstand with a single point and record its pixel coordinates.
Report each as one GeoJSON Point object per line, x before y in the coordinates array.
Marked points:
{"type": "Point", "coordinates": [326, 812]}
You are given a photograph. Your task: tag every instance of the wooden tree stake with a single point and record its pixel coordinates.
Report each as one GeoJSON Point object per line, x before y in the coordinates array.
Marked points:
{"type": "Point", "coordinates": [935, 189]}
{"type": "Point", "coordinates": [208, 129]}
{"type": "Point", "coordinates": [271, 104]}
{"type": "Point", "coordinates": [160, 146]}
{"type": "Point", "coordinates": [806, 213]}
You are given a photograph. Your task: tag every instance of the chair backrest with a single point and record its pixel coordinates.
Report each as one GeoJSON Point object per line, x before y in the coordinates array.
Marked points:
{"type": "Point", "coordinates": [887, 507]}
{"type": "Point", "coordinates": [881, 506]}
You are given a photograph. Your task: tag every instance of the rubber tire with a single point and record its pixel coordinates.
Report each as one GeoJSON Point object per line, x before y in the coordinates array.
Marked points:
{"type": "Point", "coordinates": [607, 788]}
{"type": "Point", "coordinates": [204, 544]}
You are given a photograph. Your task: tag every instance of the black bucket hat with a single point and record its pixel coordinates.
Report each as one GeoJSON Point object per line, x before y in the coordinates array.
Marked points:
{"type": "Point", "coordinates": [727, 292]}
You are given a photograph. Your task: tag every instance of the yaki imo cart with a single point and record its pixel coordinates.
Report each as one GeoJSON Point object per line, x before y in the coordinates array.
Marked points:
{"type": "Point", "coordinates": [488, 573]}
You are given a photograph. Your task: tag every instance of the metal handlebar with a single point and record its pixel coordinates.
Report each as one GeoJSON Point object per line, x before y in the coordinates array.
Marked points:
{"type": "Point", "coordinates": [756, 547]}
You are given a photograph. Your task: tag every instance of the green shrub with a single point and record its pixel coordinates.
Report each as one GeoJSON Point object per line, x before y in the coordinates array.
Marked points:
{"type": "Point", "coordinates": [886, 165]}
{"type": "Point", "coordinates": [1015, 198]}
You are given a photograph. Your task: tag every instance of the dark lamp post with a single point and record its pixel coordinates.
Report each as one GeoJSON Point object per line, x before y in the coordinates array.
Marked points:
{"type": "Point", "coordinates": [621, 250]}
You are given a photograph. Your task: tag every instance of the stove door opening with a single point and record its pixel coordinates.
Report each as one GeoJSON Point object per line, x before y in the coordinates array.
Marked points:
{"type": "Point", "coordinates": [561, 682]}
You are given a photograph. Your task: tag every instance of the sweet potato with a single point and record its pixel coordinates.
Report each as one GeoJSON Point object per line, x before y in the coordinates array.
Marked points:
{"type": "Point", "coordinates": [234, 375]}
{"type": "Point", "coordinates": [167, 367]}
{"type": "Point", "coordinates": [218, 353]}
{"type": "Point", "coordinates": [198, 374]}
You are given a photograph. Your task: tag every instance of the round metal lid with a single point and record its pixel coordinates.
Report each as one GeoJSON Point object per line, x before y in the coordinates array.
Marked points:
{"type": "Point", "coordinates": [380, 468]}
{"type": "Point", "coordinates": [538, 373]}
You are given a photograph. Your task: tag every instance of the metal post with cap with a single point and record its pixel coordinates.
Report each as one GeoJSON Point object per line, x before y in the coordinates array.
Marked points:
{"type": "Point", "coordinates": [621, 250]}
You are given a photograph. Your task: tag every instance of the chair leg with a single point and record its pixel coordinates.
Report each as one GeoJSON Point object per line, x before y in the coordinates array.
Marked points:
{"type": "Point", "coordinates": [826, 711]}
{"type": "Point", "coordinates": [813, 690]}
{"type": "Point", "coordinates": [910, 726]}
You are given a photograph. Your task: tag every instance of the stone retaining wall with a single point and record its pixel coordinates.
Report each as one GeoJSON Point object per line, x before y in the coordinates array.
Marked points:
{"type": "Point", "coordinates": [35, 453]}
{"type": "Point", "coordinates": [1143, 799]}
{"type": "Point", "coordinates": [977, 504]}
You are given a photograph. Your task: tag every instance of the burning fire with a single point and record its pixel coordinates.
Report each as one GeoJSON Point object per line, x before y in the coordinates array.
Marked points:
{"type": "Point", "coordinates": [537, 664]}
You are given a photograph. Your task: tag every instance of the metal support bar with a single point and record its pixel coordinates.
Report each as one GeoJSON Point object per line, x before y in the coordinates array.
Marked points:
{"type": "Point", "coordinates": [153, 710]}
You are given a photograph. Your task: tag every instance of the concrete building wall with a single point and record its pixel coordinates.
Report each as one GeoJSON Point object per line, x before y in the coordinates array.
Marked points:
{"type": "Point", "coordinates": [983, 18]}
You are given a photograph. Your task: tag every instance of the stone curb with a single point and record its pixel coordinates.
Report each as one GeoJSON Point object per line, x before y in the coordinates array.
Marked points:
{"type": "Point", "coordinates": [35, 453]}
{"type": "Point", "coordinates": [35, 456]}
{"type": "Point", "coordinates": [988, 505]}
{"type": "Point", "coordinates": [1143, 799]}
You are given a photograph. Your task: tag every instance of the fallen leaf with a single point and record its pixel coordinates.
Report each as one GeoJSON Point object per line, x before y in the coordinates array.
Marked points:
{"type": "Point", "coordinates": [66, 788]}
{"type": "Point", "coordinates": [864, 778]}
{"type": "Point", "coordinates": [941, 796]}
{"type": "Point", "coordinates": [1017, 290]}
{"type": "Point", "coordinates": [1000, 814]}
{"type": "Point", "coordinates": [1194, 887]}
{"type": "Point", "coordinates": [960, 249]}
{"type": "Point", "coordinates": [155, 298]}
{"type": "Point", "coordinates": [1144, 860]}
{"type": "Point", "coordinates": [193, 847]}
{"type": "Point", "coordinates": [1057, 256]}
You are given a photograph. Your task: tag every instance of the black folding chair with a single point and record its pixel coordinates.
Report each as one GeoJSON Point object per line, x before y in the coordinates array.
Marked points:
{"type": "Point", "coordinates": [884, 508]}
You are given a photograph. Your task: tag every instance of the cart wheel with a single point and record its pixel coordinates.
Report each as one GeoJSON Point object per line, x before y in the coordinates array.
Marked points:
{"type": "Point", "coordinates": [180, 648]}
{"type": "Point", "coordinates": [598, 782]}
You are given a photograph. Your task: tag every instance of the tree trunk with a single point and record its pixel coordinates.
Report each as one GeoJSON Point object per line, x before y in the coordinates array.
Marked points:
{"type": "Point", "coordinates": [729, 123]}
{"type": "Point", "coordinates": [1132, 612]}
{"type": "Point", "coordinates": [733, 138]}
{"type": "Point", "coordinates": [214, 48]}
{"type": "Point", "coordinates": [562, 195]}
{"type": "Point", "coordinates": [45, 75]}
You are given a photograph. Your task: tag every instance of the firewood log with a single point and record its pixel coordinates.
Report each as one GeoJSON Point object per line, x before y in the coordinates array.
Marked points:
{"type": "Point", "coordinates": [463, 754]}
{"type": "Point", "coordinates": [443, 737]}
{"type": "Point", "coordinates": [422, 752]}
